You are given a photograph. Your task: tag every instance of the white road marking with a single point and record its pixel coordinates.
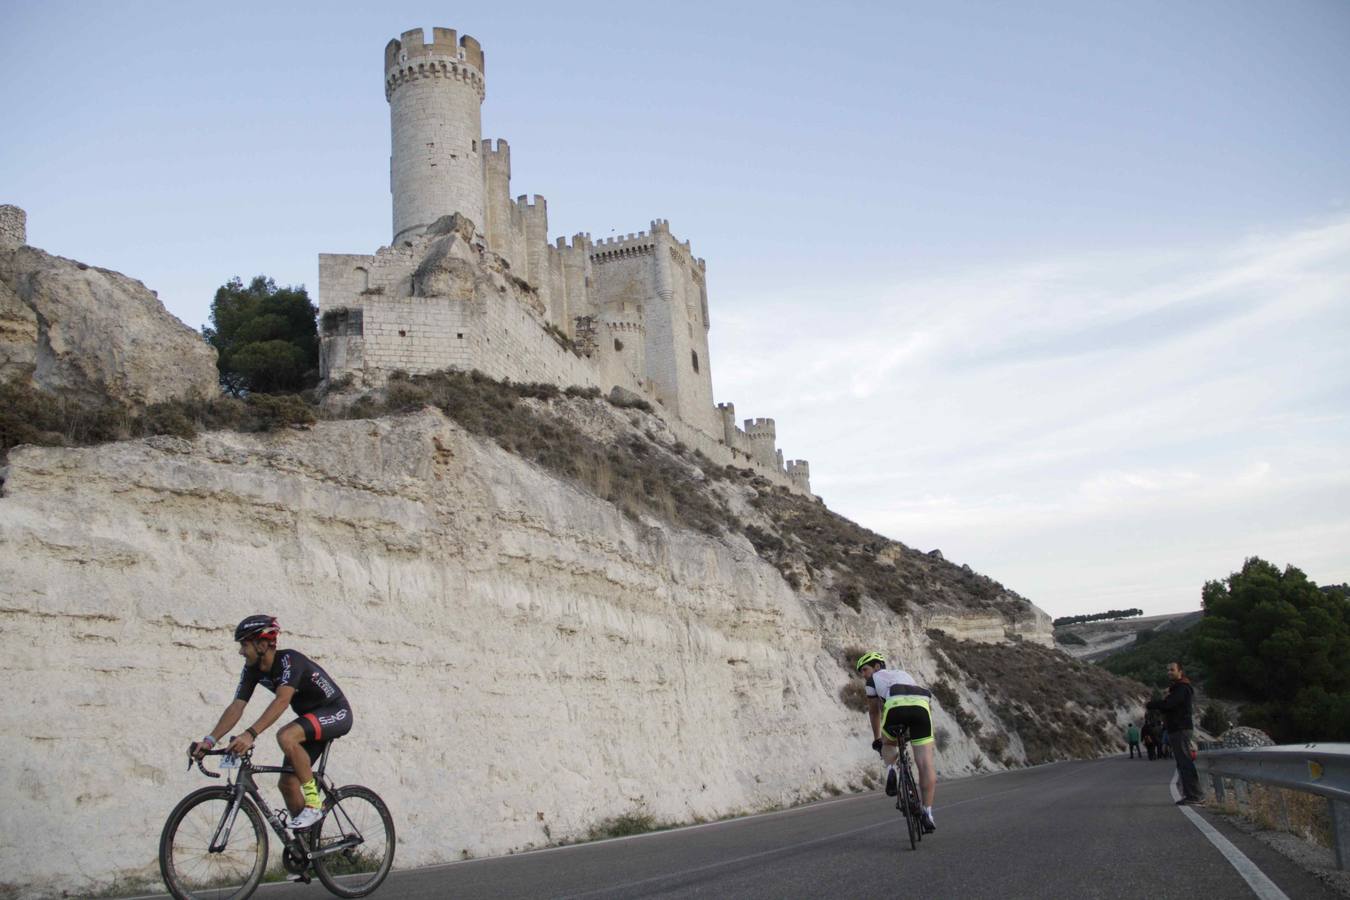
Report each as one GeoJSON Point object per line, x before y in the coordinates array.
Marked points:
{"type": "Point", "coordinates": [1257, 880]}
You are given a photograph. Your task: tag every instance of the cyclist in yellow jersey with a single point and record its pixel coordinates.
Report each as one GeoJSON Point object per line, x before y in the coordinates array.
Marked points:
{"type": "Point", "coordinates": [895, 699]}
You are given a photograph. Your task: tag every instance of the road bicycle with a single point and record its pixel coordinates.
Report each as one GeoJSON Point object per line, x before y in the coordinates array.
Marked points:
{"type": "Point", "coordinates": [907, 792]}
{"type": "Point", "coordinates": [207, 853]}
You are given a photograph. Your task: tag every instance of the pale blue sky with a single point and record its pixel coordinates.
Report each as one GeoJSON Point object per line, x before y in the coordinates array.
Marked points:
{"type": "Point", "coordinates": [1061, 288]}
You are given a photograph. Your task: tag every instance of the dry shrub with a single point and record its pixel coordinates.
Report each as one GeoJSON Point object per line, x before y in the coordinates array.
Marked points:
{"type": "Point", "coordinates": [853, 695]}
{"type": "Point", "coordinates": [1278, 809]}
{"type": "Point", "coordinates": [32, 416]}
{"type": "Point", "coordinates": [949, 700]}
{"type": "Point", "coordinates": [805, 531]}
{"type": "Point", "coordinates": [636, 475]}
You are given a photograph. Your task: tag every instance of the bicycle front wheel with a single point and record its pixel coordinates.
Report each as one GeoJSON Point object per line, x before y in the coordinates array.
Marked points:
{"type": "Point", "coordinates": [191, 870]}
{"type": "Point", "coordinates": [353, 845]}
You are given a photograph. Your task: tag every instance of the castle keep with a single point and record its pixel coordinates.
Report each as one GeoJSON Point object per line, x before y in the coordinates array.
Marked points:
{"type": "Point", "coordinates": [471, 281]}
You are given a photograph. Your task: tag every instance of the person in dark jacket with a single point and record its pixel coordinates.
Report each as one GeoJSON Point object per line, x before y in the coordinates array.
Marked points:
{"type": "Point", "coordinates": [1178, 719]}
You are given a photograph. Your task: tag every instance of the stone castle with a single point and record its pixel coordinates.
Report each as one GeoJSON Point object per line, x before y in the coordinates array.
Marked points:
{"type": "Point", "coordinates": [471, 281]}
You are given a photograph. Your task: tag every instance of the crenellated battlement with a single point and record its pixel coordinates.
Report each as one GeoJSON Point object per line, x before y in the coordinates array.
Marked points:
{"type": "Point", "coordinates": [412, 47]}
{"type": "Point", "coordinates": [524, 202]}
{"type": "Point", "coordinates": [758, 429]}
{"type": "Point", "coordinates": [622, 247]}
{"type": "Point", "coordinates": [581, 241]}
{"type": "Point", "coordinates": [625, 326]}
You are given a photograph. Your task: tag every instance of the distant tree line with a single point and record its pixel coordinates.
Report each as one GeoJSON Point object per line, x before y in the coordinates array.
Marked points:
{"type": "Point", "coordinates": [1095, 617]}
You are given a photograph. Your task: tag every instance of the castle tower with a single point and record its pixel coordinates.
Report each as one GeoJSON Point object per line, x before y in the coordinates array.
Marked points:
{"type": "Point", "coordinates": [435, 93]}
{"type": "Point", "coordinates": [624, 339]}
{"type": "Point", "coordinates": [13, 227]}
{"type": "Point", "coordinates": [728, 413]}
{"type": "Point", "coordinates": [800, 472]}
{"type": "Point", "coordinates": [763, 435]}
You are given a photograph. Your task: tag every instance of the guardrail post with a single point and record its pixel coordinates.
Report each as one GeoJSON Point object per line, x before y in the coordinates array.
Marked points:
{"type": "Point", "coordinates": [1217, 781]}
{"type": "Point", "coordinates": [1340, 832]}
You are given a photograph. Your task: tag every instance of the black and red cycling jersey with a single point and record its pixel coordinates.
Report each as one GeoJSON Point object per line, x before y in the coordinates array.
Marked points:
{"type": "Point", "coordinates": [314, 688]}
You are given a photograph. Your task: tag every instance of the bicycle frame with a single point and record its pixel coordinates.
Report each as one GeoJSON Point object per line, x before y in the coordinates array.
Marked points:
{"type": "Point", "coordinates": [245, 785]}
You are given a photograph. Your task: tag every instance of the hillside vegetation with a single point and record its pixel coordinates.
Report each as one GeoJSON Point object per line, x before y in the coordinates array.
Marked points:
{"type": "Point", "coordinates": [1060, 708]}
{"type": "Point", "coordinates": [1147, 658]}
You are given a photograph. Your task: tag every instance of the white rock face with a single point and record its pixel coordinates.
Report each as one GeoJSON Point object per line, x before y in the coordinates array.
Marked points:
{"type": "Point", "coordinates": [87, 332]}
{"type": "Point", "coordinates": [523, 660]}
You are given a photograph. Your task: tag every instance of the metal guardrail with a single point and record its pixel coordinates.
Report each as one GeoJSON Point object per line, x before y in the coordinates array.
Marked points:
{"type": "Point", "coordinates": [1322, 769]}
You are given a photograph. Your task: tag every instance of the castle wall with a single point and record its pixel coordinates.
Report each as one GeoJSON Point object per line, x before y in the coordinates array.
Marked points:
{"type": "Point", "coordinates": [13, 227]}
{"type": "Point", "coordinates": [435, 95]}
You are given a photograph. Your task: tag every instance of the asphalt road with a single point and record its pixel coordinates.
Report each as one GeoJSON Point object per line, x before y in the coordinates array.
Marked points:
{"type": "Point", "coordinates": [1105, 828]}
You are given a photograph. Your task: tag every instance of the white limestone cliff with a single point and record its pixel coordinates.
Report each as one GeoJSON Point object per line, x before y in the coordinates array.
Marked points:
{"type": "Point", "coordinates": [524, 661]}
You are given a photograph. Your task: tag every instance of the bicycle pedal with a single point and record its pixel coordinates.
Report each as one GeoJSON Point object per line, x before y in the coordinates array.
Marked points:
{"type": "Point", "coordinates": [298, 879]}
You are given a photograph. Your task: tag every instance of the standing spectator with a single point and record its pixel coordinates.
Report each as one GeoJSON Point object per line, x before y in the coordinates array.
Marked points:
{"type": "Point", "coordinates": [1154, 731]}
{"type": "Point", "coordinates": [1132, 736]}
{"type": "Point", "coordinates": [1150, 741]}
{"type": "Point", "coordinates": [1178, 717]}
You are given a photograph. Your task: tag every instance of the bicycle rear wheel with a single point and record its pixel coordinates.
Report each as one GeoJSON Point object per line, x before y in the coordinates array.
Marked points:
{"type": "Point", "coordinates": [191, 871]}
{"type": "Point", "coordinates": [912, 800]}
{"type": "Point", "coordinates": [357, 836]}
{"type": "Point", "coordinates": [902, 803]}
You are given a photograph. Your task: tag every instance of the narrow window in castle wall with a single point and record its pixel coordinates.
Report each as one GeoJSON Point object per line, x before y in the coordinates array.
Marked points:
{"type": "Point", "coordinates": [694, 355]}
{"type": "Point", "coordinates": [618, 346]}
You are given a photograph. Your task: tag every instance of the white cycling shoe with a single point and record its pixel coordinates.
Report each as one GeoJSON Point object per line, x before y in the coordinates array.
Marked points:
{"type": "Point", "coordinates": [308, 816]}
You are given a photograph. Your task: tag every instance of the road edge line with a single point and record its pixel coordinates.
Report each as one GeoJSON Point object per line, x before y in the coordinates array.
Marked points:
{"type": "Point", "coordinates": [1251, 873]}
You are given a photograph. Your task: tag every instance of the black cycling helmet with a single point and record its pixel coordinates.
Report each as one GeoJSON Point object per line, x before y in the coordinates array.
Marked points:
{"type": "Point", "coordinates": [259, 626]}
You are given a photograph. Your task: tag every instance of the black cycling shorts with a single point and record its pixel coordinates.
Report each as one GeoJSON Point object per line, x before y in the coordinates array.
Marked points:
{"type": "Point", "coordinates": [914, 716]}
{"type": "Point", "coordinates": [322, 725]}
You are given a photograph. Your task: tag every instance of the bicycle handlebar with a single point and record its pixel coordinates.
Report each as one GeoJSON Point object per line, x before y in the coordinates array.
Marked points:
{"type": "Point", "coordinates": [219, 752]}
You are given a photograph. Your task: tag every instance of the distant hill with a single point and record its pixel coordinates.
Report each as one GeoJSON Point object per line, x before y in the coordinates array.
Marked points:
{"type": "Point", "coordinates": [1096, 641]}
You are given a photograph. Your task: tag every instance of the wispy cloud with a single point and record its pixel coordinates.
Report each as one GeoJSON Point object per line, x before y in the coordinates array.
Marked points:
{"type": "Point", "coordinates": [1090, 405]}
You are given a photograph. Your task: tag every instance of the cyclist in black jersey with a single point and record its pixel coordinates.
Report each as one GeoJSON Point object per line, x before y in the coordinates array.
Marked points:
{"type": "Point", "coordinates": [307, 689]}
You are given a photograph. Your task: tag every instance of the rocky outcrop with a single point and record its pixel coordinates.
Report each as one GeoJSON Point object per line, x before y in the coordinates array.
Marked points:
{"type": "Point", "coordinates": [94, 334]}
{"type": "Point", "coordinates": [524, 659]}
{"type": "Point", "coordinates": [1243, 736]}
